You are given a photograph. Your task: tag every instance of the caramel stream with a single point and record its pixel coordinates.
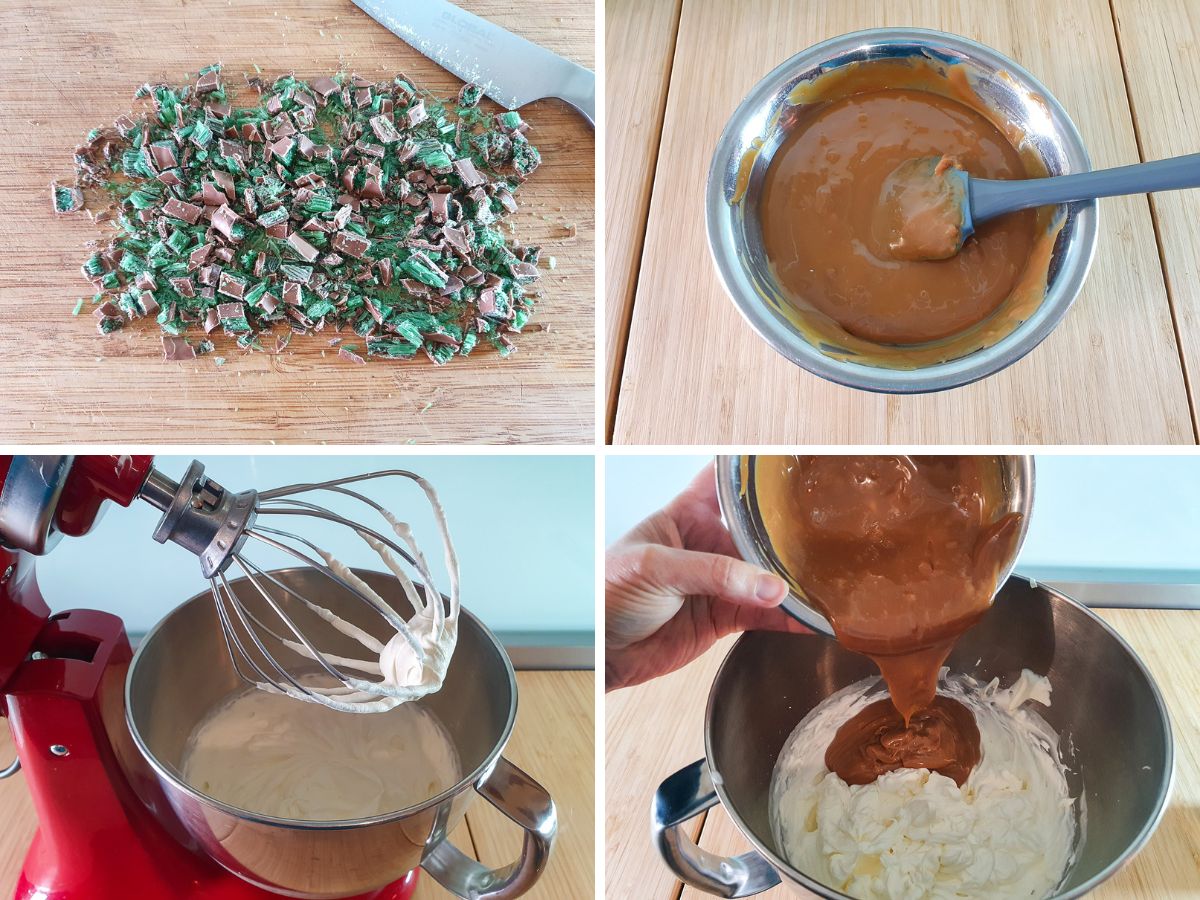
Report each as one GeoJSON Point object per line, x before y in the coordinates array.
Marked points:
{"type": "Point", "coordinates": [902, 555]}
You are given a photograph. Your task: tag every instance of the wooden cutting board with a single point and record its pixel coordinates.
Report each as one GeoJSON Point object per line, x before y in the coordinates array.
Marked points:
{"type": "Point", "coordinates": [657, 728]}
{"type": "Point", "coordinates": [70, 67]}
{"type": "Point", "coordinates": [691, 371]}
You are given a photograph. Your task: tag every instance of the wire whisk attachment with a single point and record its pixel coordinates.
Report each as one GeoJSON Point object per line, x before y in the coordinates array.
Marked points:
{"type": "Point", "coordinates": [281, 639]}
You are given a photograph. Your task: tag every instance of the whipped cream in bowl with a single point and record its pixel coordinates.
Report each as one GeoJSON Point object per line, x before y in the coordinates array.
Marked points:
{"type": "Point", "coordinates": [1009, 831]}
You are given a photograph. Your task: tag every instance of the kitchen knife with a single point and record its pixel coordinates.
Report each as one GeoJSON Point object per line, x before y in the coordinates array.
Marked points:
{"type": "Point", "coordinates": [511, 70]}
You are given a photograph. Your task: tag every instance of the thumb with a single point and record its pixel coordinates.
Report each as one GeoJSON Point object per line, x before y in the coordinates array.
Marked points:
{"type": "Point", "coordinates": [713, 574]}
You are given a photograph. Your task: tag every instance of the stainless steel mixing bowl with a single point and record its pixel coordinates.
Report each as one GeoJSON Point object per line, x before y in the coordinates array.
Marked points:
{"type": "Point", "coordinates": [1113, 724]}
{"type": "Point", "coordinates": [755, 131]}
{"type": "Point", "coordinates": [182, 670]}
{"type": "Point", "coordinates": [740, 510]}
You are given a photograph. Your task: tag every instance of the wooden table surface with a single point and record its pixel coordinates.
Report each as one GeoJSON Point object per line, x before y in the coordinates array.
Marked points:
{"type": "Point", "coordinates": [554, 741]}
{"type": "Point", "coordinates": [69, 67]}
{"type": "Point", "coordinates": [655, 729]}
{"type": "Point", "coordinates": [690, 370]}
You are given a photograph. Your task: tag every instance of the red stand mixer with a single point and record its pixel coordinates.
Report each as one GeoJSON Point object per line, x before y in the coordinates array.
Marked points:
{"type": "Point", "coordinates": [107, 828]}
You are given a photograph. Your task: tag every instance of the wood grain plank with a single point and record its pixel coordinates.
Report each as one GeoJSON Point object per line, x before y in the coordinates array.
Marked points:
{"type": "Point", "coordinates": [69, 67]}
{"type": "Point", "coordinates": [1162, 71]}
{"type": "Point", "coordinates": [639, 40]}
{"type": "Point", "coordinates": [695, 373]}
{"type": "Point", "coordinates": [555, 742]}
{"type": "Point", "coordinates": [651, 731]}
{"type": "Point", "coordinates": [1167, 867]}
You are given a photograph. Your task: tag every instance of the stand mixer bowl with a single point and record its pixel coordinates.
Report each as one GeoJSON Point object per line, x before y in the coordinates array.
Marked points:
{"type": "Point", "coordinates": [182, 670]}
{"type": "Point", "coordinates": [1115, 735]}
{"type": "Point", "coordinates": [740, 510]}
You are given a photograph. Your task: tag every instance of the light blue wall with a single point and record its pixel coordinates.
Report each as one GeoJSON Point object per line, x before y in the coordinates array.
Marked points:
{"type": "Point", "coordinates": [1095, 518]}
{"type": "Point", "coordinates": [523, 526]}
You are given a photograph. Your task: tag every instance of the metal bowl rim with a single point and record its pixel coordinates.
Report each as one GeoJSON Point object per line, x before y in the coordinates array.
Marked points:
{"type": "Point", "coordinates": [1103, 875]}
{"type": "Point", "coordinates": [162, 771]}
{"type": "Point", "coordinates": [954, 373]}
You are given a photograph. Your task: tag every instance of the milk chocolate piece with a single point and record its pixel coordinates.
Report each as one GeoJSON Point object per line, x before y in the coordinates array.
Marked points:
{"type": "Point", "coordinates": [487, 302]}
{"type": "Point", "coordinates": [351, 244]}
{"type": "Point", "coordinates": [208, 82]}
{"type": "Point", "coordinates": [223, 221]}
{"type": "Point", "coordinates": [212, 195]}
{"type": "Point", "coordinates": [468, 173]}
{"type": "Point", "coordinates": [306, 250]}
{"type": "Point", "coordinates": [281, 147]}
{"type": "Point", "coordinates": [384, 129]}
{"type": "Point", "coordinates": [199, 256]}
{"type": "Point", "coordinates": [164, 156]}
{"type": "Point", "coordinates": [186, 212]}
{"type": "Point", "coordinates": [176, 348]}
{"type": "Point", "coordinates": [231, 286]}
{"type": "Point", "coordinates": [324, 87]}
{"type": "Point", "coordinates": [438, 207]}
{"type": "Point", "coordinates": [225, 181]}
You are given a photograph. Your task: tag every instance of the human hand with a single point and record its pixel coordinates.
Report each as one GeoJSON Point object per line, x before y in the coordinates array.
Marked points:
{"type": "Point", "coordinates": [675, 585]}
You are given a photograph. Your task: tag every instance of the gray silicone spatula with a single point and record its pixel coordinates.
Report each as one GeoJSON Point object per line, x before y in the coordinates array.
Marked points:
{"type": "Point", "coordinates": [929, 201]}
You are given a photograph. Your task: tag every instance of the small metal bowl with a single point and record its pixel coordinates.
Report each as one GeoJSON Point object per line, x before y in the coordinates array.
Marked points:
{"type": "Point", "coordinates": [739, 508]}
{"type": "Point", "coordinates": [755, 132]}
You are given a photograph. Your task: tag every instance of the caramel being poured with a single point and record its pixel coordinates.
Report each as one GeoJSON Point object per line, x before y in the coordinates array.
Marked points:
{"type": "Point", "coordinates": [902, 555]}
{"type": "Point", "coordinates": [943, 738]}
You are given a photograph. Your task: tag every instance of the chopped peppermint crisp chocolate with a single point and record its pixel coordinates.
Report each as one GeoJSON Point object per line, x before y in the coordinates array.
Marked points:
{"type": "Point", "coordinates": [66, 199]}
{"type": "Point", "coordinates": [341, 204]}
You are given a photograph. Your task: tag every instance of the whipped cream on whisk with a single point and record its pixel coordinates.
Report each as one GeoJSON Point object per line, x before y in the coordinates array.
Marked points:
{"type": "Point", "coordinates": [412, 662]}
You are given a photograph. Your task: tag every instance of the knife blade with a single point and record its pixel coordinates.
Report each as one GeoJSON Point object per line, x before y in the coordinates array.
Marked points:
{"type": "Point", "coordinates": [510, 69]}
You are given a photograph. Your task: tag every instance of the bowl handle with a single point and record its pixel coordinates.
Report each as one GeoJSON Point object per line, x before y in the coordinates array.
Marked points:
{"type": "Point", "coordinates": [684, 796]}
{"type": "Point", "coordinates": [525, 802]}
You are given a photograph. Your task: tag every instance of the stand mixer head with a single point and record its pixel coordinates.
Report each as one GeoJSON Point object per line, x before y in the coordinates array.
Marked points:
{"type": "Point", "coordinates": [222, 528]}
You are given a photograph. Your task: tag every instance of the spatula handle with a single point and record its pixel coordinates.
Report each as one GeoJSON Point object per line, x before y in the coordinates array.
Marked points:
{"type": "Point", "coordinates": [991, 198]}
